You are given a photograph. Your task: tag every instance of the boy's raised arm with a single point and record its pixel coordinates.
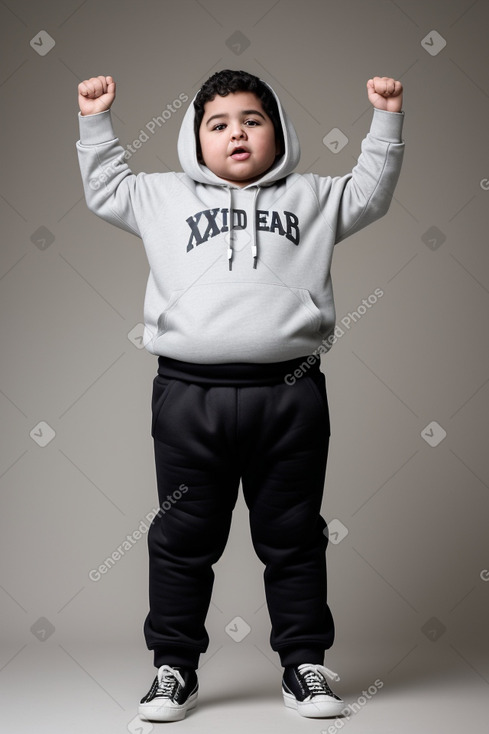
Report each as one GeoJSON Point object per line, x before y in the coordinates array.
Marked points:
{"type": "Point", "coordinates": [353, 201]}
{"type": "Point", "coordinates": [109, 184]}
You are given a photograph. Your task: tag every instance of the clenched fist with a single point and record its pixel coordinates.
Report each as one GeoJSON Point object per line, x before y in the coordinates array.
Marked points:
{"type": "Point", "coordinates": [96, 94]}
{"type": "Point", "coordinates": [385, 93]}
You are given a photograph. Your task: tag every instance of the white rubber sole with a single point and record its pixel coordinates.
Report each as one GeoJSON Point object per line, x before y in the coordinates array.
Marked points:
{"type": "Point", "coordinates": [166, 711]}
{"type": "Point", "coordinates": [321, 707]}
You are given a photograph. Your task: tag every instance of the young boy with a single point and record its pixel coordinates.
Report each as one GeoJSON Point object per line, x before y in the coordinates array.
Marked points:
{"type": "Point", "coordinates": [238, 308]}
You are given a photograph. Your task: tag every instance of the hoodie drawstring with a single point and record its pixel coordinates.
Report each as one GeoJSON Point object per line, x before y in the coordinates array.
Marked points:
{"type": "Point", "coordinates": [230, 243]}
{"type": "Point", "coordinates": [254, 244]}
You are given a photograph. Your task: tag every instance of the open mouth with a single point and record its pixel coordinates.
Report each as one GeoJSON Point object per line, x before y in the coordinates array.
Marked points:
{"type": "Point", "coordinates": [240, 154]}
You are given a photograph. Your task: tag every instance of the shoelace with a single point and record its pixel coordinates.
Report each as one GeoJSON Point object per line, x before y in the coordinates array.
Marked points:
{"type": "Point", "coordinates": [166, 680]}
{"type": "Point", "coordinates": [315, 677]}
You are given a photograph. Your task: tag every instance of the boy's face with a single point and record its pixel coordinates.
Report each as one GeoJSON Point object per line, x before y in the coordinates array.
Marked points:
{"type": "Point", "coordinates": [234, 123]}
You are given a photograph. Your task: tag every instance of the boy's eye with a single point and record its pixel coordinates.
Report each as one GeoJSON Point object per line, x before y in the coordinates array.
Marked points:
{"type": "Point", "coordinates": [249, 123]}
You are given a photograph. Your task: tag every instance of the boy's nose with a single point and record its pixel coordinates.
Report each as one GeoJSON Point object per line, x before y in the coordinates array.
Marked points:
{"type": "Point", "coordinates": [238, 133]}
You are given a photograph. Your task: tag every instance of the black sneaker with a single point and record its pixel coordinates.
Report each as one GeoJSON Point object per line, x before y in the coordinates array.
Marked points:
{"type": "Point", "coordinates": [172, 694]}
{"type": "Point", "coordinates": [305, 688]}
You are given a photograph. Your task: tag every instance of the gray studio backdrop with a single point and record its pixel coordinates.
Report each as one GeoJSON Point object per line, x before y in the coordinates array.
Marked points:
{"type": "Point", "coordinates": [406, 493]}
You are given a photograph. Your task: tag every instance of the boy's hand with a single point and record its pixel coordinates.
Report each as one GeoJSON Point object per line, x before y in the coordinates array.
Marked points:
{"type": "Point", "coordinates": [385, 93]}
{"type": "Point", "coordinates": [96, 94]}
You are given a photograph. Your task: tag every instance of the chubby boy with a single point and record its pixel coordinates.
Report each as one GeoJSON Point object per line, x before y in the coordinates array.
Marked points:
{"type": "Point", "coordinates": [239, 296]}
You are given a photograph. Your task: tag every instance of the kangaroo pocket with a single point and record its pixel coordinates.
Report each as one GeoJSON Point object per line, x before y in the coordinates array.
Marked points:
{"type": "Point", "coordinates": [231, 319]}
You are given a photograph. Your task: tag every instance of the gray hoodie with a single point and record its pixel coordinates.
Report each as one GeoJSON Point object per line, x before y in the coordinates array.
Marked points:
{"type": "Point", "coordinates": [238, 274]}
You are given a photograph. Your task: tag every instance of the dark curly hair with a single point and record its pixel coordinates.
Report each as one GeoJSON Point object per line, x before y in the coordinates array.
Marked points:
{"type": "Point", "coordinates": [228, 81]}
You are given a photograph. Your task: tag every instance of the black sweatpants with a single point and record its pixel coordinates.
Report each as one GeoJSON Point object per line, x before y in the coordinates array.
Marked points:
{"type": "Point", "coordinates": [214, 425]}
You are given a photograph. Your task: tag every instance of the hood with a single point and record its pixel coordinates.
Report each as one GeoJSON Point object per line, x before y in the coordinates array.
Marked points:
{"type": "Point", "coordinates": [187, 151]}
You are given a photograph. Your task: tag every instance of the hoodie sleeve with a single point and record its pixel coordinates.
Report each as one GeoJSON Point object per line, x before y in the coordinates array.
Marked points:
{"type": "Point", "coordinates": [353, 201]}
{"type": "Point", "coordinates": [109, 184]}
